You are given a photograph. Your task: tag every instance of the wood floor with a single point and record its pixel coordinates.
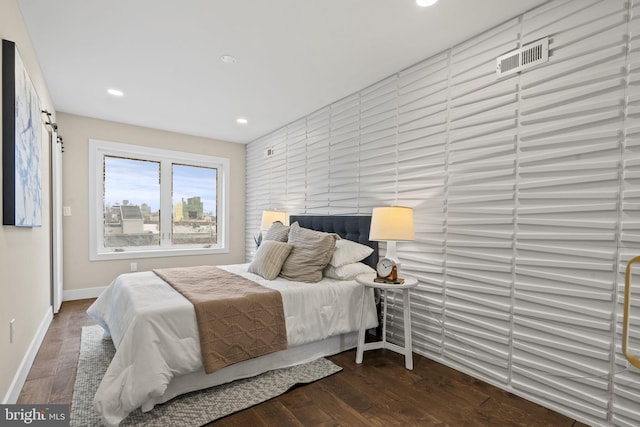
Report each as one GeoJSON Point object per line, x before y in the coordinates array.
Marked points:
{"type": "Point", "coordinates": [380, 392]}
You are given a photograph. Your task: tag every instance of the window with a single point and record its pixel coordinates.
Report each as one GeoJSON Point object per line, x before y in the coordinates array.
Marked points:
{"type": "Point", "coordinates": [148, 202]}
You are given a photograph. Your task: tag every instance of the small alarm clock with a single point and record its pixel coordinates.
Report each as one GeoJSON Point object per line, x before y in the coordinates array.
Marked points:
{"type": "Point", "coordinates": [387, 271]}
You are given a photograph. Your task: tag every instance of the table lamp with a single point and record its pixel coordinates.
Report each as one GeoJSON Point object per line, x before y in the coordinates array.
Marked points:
{"type": "Point", "coordinates": [269, 217]}
{"type": "Point", "coordinates": [391, 224]}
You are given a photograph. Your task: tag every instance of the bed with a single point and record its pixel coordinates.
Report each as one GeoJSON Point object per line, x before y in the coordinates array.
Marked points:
{"type": "Point", "coordinates": [154, 329]}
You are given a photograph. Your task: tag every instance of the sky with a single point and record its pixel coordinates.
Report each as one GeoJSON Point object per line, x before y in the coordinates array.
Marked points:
{"type": "Point", "coordinates": [138, 182]}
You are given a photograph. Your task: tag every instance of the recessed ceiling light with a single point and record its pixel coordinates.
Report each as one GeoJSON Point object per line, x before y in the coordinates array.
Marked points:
{"type": "Point", "coordinates": [115, 92]}
{"type": "Point", "coordinates": [425, 3]}
{"type": "Point", "coordinates": [242, 121]}
{"type": "Point", "coordinates": [228, 59]}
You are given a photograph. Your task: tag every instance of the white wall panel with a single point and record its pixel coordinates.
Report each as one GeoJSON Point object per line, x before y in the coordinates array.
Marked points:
{"type": "Point", "coordinates": [296, 167]}
{"type": "Point", "coordinates": [480, 206]}
{"type": "Point", "coordinates": [526, 199]}
{"type": "Point", "coordinates": [343, 156]}
{"type": "Point", "coordinates": [318, 154]}
{"type": "Point", "coordinates": [258, 191]}
{"type": "Point", "coordinates": [625, 384]}
{"type": "Point", "coordinates": [571, 120]}
{"type": "Point", "coordinates": [421, 134]}
{"type": "Point", "coordinates": [378, 138]}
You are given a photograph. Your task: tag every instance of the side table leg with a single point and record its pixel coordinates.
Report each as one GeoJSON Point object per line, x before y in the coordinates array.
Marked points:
{"type": "Point", "coordinates": [408, 342]}
{"type": "Point", "coordinates": [361, 332]}
{"type": "Point", "coordinates": [384, 317]}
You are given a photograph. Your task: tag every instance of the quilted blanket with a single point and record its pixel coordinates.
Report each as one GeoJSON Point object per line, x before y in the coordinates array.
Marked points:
{"type": "Point", "coordinates": [237, 318]}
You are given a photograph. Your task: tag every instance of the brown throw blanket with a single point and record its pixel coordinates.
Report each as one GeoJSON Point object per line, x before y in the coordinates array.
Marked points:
{"type": "Point", "coordinates": [238, 319]}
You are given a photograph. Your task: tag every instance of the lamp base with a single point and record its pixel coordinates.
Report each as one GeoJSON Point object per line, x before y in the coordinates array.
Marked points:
{"type": "Point", "coordinates": [392, 255]}
{"type": "Point", "coordinates": [391, 252]}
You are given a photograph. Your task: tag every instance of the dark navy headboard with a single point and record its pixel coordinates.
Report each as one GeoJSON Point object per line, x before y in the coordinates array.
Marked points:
{"type": "Point", "coordinates": [350, 227]}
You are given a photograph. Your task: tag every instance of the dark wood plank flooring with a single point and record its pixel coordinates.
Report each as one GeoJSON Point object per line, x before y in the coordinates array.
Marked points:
{"type": "Point", "coordinates": [380, 392]}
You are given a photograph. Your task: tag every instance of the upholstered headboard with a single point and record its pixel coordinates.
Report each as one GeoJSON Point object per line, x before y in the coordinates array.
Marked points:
{"type": "Point", "coordinates": [350, 227]}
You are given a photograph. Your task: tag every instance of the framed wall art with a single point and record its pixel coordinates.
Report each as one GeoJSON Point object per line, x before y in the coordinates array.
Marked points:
{"type": "Point", "coordinates": [21, 143]}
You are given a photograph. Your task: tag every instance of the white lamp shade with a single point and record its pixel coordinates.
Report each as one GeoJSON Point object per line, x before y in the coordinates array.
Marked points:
{"type": "Point", "coordinates": [392, 223]}
{"type": "Point", "coordinates": [269, 217]}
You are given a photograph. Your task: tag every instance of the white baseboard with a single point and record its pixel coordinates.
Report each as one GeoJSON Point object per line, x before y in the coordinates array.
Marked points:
{"type": "Point", "coordinates": [25, 366]}
{"type": "Point", "coordinates": [75, 294]}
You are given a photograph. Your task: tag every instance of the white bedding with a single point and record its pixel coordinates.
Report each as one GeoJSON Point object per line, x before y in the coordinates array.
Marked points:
{"type": "Point", "coordinates": [154, 330]}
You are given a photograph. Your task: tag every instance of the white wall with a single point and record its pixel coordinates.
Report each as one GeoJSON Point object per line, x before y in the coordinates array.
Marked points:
{"type": "Point", "coordinates": [24, 252]}
{"type": "Point", "coordinates": [525, 197]}
{"type": "Point", "coordinates": [84, 278]}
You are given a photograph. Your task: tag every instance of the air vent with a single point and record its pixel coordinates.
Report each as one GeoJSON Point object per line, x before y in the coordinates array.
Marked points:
{"type": "Point", "coordinates": [527, 56]}
{"type": "Point", "coordinates": [269, 152]}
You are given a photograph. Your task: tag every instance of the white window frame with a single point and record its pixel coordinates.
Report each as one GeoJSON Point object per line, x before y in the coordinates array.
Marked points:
{"type": "Point", "coordinates": [98, 149]}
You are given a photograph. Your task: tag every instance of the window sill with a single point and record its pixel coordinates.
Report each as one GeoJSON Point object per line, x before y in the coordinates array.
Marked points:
{"type": "Point", "coordinates": [156, 253]}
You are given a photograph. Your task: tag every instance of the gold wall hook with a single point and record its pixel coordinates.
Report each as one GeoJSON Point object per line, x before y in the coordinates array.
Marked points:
{"type": "Point", "coordinates": [633, 359]}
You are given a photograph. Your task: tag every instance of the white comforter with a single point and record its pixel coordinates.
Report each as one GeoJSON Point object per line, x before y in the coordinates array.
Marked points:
{"type": "Point", "coordinates": [154, 330]}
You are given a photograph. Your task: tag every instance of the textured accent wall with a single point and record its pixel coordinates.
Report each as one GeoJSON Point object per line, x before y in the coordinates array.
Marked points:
{"type": "Point", "coordinates": [526, 199]}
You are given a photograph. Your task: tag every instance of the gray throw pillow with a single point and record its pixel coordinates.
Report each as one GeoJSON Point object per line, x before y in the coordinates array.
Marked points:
{"type": "Point", "coordinates": [311, 253]}
{"type": "Point", "coordinates": [278, 232]}
{"type": "Point", "coordinates": [269, 259]}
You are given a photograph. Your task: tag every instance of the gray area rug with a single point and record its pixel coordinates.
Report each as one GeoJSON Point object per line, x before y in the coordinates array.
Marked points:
{"type": "Point", "coordinates": [192, 409]}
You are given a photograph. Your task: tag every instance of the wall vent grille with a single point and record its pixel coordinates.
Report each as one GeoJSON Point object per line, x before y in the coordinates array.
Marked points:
{"type": "Point", "coordinates": [528, 56]}
{"type": "Point", "coordinates": [269, 152]}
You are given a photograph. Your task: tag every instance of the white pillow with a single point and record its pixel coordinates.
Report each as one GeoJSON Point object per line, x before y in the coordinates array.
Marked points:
{"type": "Point", "coordinates": [348, 252]}
{"type": "Point", "coordinates": [347, 271]}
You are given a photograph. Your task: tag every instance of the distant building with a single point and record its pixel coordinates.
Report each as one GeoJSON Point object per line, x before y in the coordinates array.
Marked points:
{"type": "Point", "coordinates": [192, 209]}
{"type": "Point", "coordinates": [124, 219]}
{"type": "Point", "coordinates": [146, 212]}
{"type": "Point", "coordinates": [132, 221]}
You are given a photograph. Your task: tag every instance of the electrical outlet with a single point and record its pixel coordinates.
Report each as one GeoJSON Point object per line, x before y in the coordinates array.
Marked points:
{"type": "Point", "coordinates": [66, 211]}
{"type": "Point", "coordinates": [134, 266]}
{"type": "Point", "coordinates": [12, 325]}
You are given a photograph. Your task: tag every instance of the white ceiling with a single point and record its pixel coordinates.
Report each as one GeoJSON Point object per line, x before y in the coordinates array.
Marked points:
{"type": "Point", "coordinates": [293, 56]}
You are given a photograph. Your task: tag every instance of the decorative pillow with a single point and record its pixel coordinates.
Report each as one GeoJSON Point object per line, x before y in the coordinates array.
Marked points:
{"type": "Point", "coordinates": [348, 252]}
{"type": "Point", "coordinates": [348, 271]}
{"type": "Point", "coordinates": [311, 253]}
{"type": "Point", "coordinates": [269, 259]}
{"type": "Point", "coordinates": [278, 232]}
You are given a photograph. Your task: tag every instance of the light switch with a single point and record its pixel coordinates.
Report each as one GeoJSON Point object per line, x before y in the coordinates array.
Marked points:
{"type": "Point", "coordinates": [66, 211]}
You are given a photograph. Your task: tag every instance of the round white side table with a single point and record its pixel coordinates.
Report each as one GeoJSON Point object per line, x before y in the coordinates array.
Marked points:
{"type": "Point", "coordinates": [409, 283]}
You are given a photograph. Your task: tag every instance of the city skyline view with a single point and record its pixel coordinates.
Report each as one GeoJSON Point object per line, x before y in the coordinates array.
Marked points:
{"type": "Point", "coordinates": [137, 181]}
